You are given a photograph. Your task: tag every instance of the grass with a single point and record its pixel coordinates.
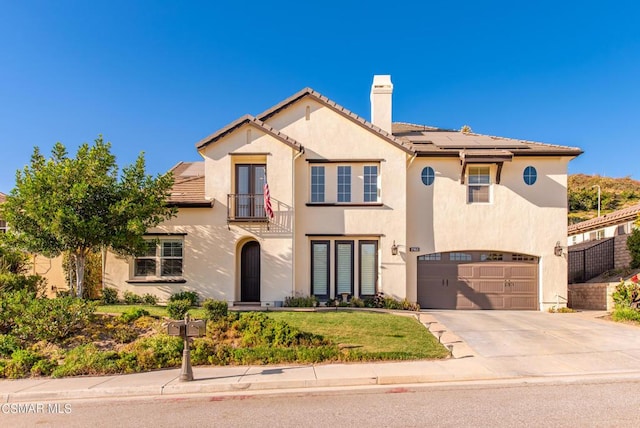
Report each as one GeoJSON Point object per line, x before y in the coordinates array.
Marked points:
{"type": "Point", "coordinates": [366, 335]}
{"type": "Point", "coordinates": [375, 335]}
{"type": "Point", "coordinates": [155, 311]}
{"type": "Point", "coordinates": [626, 314]}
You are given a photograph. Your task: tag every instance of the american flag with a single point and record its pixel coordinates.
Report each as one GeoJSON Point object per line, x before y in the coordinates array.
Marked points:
{"type": "Point", "coordinates": [267, 201]}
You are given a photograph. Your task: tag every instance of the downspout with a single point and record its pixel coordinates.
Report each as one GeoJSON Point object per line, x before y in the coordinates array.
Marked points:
{"type": "Point", "coordinates": [293, 220]}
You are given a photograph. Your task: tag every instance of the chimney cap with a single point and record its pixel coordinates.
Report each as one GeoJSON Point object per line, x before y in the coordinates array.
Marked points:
{"type": "Point", "coordinates": [382, 83]}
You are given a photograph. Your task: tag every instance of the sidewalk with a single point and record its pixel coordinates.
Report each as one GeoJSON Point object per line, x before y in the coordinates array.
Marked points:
{"type": "Point", "coordinates": [465, 365]}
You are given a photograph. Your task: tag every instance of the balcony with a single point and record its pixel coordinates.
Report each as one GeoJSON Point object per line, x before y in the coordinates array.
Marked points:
{"type": "Point", "coordinates": [246, 207]}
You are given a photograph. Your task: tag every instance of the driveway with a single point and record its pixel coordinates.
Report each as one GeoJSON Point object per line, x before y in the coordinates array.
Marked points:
{"type": "Point", "coordinates": [521, 343]}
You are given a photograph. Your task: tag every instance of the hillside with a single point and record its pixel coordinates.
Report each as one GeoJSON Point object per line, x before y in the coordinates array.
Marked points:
{"type": "Point", "coordinates": [616, 193]}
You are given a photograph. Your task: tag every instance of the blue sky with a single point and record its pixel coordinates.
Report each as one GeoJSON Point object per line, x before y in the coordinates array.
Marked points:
{"type": "Point", "coordinates": [158, 76]}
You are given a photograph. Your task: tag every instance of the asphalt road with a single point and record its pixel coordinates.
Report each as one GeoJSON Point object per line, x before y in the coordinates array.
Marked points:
{"type": "Point", "coordinates": [575, 404]}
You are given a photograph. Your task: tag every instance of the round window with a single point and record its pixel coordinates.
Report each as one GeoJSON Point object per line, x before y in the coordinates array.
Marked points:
{"type": "Point", "coordinates": [428, 175]}
{"type": "Point", "coordinates": [530, 175]}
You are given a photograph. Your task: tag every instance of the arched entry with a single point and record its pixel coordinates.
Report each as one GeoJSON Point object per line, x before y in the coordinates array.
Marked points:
{"type": "Point", "coordinates": [250, 272]}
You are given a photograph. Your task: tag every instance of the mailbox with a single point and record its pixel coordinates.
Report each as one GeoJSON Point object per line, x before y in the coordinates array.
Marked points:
{"type": "Point", "coordinates": [196, 328]}
{"type": "Point", "coordinates": [175, 328]}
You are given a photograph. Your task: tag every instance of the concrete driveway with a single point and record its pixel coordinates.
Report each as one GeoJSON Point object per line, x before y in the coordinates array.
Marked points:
{"type": "Point", "coordinates": [521, 343]}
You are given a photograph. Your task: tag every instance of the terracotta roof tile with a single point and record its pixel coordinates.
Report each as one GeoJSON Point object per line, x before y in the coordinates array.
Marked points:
{"type": "Point", "coordinates": [621, 216]}
{"type": "Point", "coordinates": [188, 186]}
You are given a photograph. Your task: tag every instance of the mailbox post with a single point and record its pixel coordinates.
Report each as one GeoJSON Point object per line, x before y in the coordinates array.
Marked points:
{"type": "Point", "coordinates": [186, 329]}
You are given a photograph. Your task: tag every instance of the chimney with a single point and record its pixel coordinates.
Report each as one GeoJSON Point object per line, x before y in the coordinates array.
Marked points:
{"type": "Point", "coordinates": [381, 91]}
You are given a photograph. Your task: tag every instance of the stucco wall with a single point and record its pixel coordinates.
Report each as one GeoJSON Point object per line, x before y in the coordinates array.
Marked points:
{"type": "Point", "coordinates": [520, 218]}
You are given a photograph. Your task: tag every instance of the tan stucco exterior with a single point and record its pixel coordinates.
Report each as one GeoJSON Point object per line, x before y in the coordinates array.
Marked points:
{"type": "Point", "coordinates": [309, 131]}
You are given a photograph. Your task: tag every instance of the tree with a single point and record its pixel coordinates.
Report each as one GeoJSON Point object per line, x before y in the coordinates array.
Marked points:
{"type": "Point", "coordinates": [633, 245]}
{"type": "Point", "coordinates": [82, 205]}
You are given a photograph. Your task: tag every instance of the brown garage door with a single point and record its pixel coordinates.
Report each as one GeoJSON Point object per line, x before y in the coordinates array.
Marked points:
{"type": "Point", "coordinates": [478, 280]}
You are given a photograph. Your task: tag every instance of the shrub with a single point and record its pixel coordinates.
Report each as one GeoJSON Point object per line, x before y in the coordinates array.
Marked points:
{"type": "Point", "coordinates": [633, 245]}
{"type": "Point", "coordinates": [8, 345]}
{"type": "Point", "coordinates": [157, 352]}
{"type": "Point", "coordinates": [52, 319]}
{"type": "Point", "coordinates": [356, 302]}
{"type": "Point", "coordinates": [191, 296]}
{"type": "Point", "coordinates": [110, 296]}
{"type": "Point", "coordinates": [87, 360]}
{"type": "Point", "coordinates": [215, 309]}
{"type": "Point", "coordinates": [177, 309]}
{"type": "Point", "coordinates": [20, 364]}
{"type": "Point", "coordinates": [300, 301]}
{"type": "Point", "coordinates": [131, 298]}
{"type": "Point", "coordinates": [150, 299]}
{"type": "Point", "coordinates": [15, 282]}
{"type": "Point", "coordinates": [622, 313]}
{"type": "Point", "coordinates": [626, 293]}
{"type": "Point", "coordinates": [133, 314]}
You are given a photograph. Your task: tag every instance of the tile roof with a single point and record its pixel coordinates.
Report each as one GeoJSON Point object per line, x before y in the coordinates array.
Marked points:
{"type": "Point", "coordinates": [254, 122]}
{"type": "Point", "coordinates": [621, 216]}
{"type": "Point", "coordinates": [431, 141]}
{"type": "Point", "coordinates": [188, 186]}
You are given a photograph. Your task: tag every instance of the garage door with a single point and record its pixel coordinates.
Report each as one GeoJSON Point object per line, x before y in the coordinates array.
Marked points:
{"type": "Point", "coordinates": [478, 280]}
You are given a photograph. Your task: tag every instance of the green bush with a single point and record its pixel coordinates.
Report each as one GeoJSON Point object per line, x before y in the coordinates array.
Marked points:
{"type": "Point", "coordinates": [149, 299]}
{"type": "Point", "coordinates": [157, 352]}
{"type": "Point", "coordinates": [215, 309]}
{"type": "Point", "coordinates": [15, 282]}
{"type": "Point", "coordinates": [191, 296]}
{"type": "Point", "coordinates": [622, 313]}
{"type": "Point", "coordinates": [131, 298]}
{"type": "Point", "coordinates": [177, 309]}
{"type": "Point", "coordinates": [133, 314]}
{"type": "Point", "coordinates": [21, 363]}
{"type": "Point", "coordinates": [8, 345]}
{"type": "Point", "coordinates": [626, 293]}
{"type": "Point", "coordinates": [52, 319]}
{"type": "Point", "coordinates": [110, 296]}
{"type": "Point", "coordinates": [300, 301]}
{"type": "Point", "coordinates": [633, 245]}
{"type": "Point", "coordinates": [87, 360]}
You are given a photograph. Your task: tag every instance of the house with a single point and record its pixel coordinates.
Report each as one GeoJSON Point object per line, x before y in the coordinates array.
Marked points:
{"type": "Point", "coordinates": [447, 218]}
{"type": "Point", "coordinates": [599, 244]}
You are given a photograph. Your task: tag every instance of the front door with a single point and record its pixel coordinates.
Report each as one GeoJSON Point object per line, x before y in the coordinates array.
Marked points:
{"type": "Point", "coordinates": [250, 272]}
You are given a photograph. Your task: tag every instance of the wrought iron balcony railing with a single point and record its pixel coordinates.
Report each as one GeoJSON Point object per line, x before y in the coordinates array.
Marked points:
{"type": "Point", "coordinates": [246, 207]}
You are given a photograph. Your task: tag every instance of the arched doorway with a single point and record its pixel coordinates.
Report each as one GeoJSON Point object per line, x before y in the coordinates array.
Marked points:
{"type": "Point", "coordinates": [250, 272]}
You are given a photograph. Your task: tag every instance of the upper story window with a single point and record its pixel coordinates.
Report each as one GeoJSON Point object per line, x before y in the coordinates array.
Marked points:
{"type": "Point", "coordinates": [530, 175]}
{"type": "Point", "coordinates": [160, 259]}
{"type": "Point", "coordinates": [317, 184]}
{"type": "Point", "coordinates": [479, 187]}
{"type": "Point", "coordinates": [3, 226]}
{"type": "Point", "coordinates": [371, 183]}
{"type": "Point", "coordinates": [344, 183]}
{"type": "Point", "coordinates": [428, 176]}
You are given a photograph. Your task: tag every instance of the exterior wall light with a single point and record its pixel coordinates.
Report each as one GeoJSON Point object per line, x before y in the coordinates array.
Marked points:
{"type": "Point", "coordinates": [557, 250]}
{"type": "Point", "coordinates": [394, 249]}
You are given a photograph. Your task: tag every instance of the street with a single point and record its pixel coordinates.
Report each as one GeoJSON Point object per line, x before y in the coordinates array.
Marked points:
{"type": "Point", "coordinates": [577, 403]}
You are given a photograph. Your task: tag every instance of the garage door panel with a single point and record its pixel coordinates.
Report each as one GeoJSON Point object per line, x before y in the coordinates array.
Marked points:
{"type": "Point", "coordinates": [478, 285]}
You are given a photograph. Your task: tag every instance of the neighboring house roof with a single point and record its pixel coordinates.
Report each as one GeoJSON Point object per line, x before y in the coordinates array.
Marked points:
{"type": "Point", "coordinates": [431, 141]}
{"type": "Point", "coordinates": [188, 186]}
{"type": "Point", "coordinates": [248, 119]}
{"type": "Point", "coordinates": [617, 217]}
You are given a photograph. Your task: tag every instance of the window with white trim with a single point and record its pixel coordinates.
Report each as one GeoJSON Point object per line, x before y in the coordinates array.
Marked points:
{"type": "Point", "coordinates": [479, 187]}
{"type": "Point", "coordinates": [162, 258]}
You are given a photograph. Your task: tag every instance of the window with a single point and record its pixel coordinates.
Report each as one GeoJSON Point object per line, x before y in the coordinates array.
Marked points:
{"type": "Point", "coordinates": [463, 257]}
{"type": "Point", "coordinates": [368, 262]}
{"type": "Point", "coordinates": [479, 184]}
{"type": "Point", "coordinates": [530, 175]}
{"type": "Point", "coordinates": [320, 268]}
{"type": "Point", "coordinates": [3, 226]}
{"type": "Point", "coordinates": [430, 257]}
{"type": "Point", "coordinates": [160, 259]}
{"type": "Point", "coordinates": [344, 184]}
{"type": "Point", "coordinates": [491, 257]}
{"type": "Point", "coordinates": [249, 197]}
{"type": "Point", "coordinates": [344, 267]}
{"type": "Point", "coordinates": [522, 258]}
{"type": "Point", "coordinates": [428, 176]}
{"type": "Point", "coordinates": [371, 183]}
{"type": "Point", "coordinates": [317, 184]}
